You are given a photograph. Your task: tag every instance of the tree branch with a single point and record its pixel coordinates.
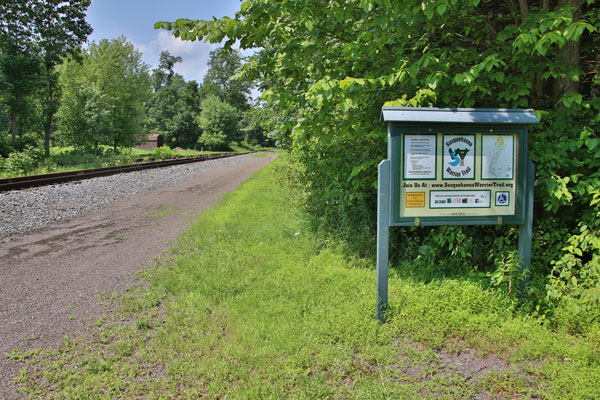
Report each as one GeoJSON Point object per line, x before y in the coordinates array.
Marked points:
{"type": "Point", "coordinates": [511, 4]}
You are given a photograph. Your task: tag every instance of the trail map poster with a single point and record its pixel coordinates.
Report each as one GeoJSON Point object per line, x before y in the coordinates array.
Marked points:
{"type": "Point", "coordinates": [448, 175]}
{"type": "Point", "coordinates": [497, 157]}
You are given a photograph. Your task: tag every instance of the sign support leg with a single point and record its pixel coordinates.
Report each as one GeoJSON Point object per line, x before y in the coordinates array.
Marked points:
{"type": "Point", "coordinates": [383, 230]}
{"type": "Point", "coordinates": [526, 230]}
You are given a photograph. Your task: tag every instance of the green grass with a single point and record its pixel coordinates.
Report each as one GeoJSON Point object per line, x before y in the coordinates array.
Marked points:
{"type": "Point", "coordinates": [251, 305]}
{"type": "Point", "coordinates": [161, 210]}
{"type": "Point", "coordinates": [64, 159]}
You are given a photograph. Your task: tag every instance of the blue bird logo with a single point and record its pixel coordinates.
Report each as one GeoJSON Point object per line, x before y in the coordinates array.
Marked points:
{"type": "Point", "coordinates": [454, 157]}
{"type": "Point", "coordinates": [458, 156]}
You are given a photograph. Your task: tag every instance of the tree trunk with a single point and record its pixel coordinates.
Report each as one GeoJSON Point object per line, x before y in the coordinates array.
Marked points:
{"type": "Point", "coordinates": [538, 83]}
{"type": "Point", "coordinates": [50, 113]}
{"type": "Point", "coordinates": [13, 126]}
{"type": "Point", "coordinates": [21, 127]}
{"type": "Point", "coordinates": [524, 8]}
{"type": "Point", "coordinates": [569, 56]}
{"type": "Point", "coordinates": [538, 92]}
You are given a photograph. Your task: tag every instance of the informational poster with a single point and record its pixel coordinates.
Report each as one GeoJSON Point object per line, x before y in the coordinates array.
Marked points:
{"type": "Point", "coordinates": [449, 175]}
{"type": "Point", "coordinates": [420, 160]}
{"type": "Point", "coordinates": [415, 199]}
{"type": "Point", "coordinates": [497, 157]}
{"type": "Point", "coordinates": [459, 199]}
{"type": "Point", "coordinates": [459, 157]}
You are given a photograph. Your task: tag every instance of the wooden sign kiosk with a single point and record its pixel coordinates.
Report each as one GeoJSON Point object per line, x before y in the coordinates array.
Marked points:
{"type": "Point", "coordinates": [454, 167]}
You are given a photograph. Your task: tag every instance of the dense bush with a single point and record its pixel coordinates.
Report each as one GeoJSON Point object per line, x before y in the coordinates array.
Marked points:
{"type": "Point", "coordinates": [21, 144]}
{"type": "Point", "coordinates": [163, 153]}
{"type": "Point", "coordinates": [219, 123]}
{"type": "Point", "coordinates": [5, 147]}
{"type": "Point", "coordinates": [26, 141]}
{"type": "Point", "coordinates": [24, 161]}
{"type": "Point", "coordinates": [330, 65]}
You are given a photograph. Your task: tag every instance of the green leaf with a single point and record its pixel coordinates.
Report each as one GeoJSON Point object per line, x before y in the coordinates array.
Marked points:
{"type": "Point", "coordinates": [571, 98]}
{"type": "Point", "coordinates": [345, 84]}
{"type": "Point", "coordinates": [367, 6]}
{"type": "Point", "coordinates": [441, 8]}
{"type": "Point", "coordinates": [539, 114]}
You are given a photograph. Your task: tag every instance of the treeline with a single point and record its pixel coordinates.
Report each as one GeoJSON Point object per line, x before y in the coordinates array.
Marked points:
{"type": "Point", "coordinates": [35, 36]}
{"type": "Point", "coordinates": [329, 66]}
{"type": "Point", "coordinates": [109, 97]}
{"type": "Point", "coordinates": [56, 88]}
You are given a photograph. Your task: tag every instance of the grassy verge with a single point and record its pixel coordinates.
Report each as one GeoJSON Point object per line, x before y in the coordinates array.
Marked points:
{"type": "Point", "coordinates": [251, 305]}
{"type": "Point", "coordinates": [64, 159]}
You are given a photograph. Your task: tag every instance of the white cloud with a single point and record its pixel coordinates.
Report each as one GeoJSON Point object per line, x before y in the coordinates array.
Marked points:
{"type": "Point", "coordinates": [194, 54]}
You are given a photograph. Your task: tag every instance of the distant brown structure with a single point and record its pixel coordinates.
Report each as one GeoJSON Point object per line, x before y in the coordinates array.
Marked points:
{"type": "Point", "coordinates": [150, 142]}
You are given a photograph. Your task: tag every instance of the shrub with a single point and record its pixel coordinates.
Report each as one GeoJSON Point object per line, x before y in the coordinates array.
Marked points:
{"type": "Point", "coordinates": [218, 121]}
{"type": "Point", "coordinates": [215, 141]}
{"type": "Point", "coordinates": [5, 147]}
{"type": "Point", "coordinates": [23, 162]}
{"type": "Point", "coordinates": [163, 153]}
{"type": "Point", "coordinates": [25, 142]}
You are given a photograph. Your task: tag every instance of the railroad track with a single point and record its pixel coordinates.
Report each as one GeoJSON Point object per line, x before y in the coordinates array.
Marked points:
{"type": "Point", "coordinates": [23, 182]}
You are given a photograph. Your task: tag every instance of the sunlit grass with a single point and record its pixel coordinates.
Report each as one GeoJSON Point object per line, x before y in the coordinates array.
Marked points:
{"type": "Point", "coordinates": [65, 159]}
{"type": "Point", "coordinates": [251, 305]}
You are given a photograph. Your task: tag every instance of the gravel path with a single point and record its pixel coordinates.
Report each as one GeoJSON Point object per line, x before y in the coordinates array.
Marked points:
{"type": "Point", "coordinates": [51, 277]}
{"type": "Point", "coordinates": [26, 210]}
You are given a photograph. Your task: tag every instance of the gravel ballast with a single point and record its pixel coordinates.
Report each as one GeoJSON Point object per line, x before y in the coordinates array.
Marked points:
{"type": "Point", "coordinates": [27, 210]}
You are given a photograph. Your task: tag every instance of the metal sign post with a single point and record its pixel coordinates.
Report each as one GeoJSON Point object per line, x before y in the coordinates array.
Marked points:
{"type": "Point", "coordinates": [383, 236]}
{"type": "Point", "coordinates": [454, 167]}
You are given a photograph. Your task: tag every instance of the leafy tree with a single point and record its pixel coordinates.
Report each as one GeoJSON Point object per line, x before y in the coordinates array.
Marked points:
{"type": "Point", "coordinates": [161, 109]}
{"type": "Point", "coordinates": [14, 28]}
{"type": "Point", "coordinates": [172, 110]}
{"type": "Point", "coordinates": [260, 124]}
{"type": "Point", "coordinates": [330, 65]}
{"type": "Point", "coordinates": [19, 79]}
{"type": "Point", "coordinates": [220, 79]}
{"type": "Point", "coordinates": [163, 75]}
{"type": "Point", "coordinates": [60, 29]}
{"type": "Point", "coordinates": [83, 118]}
{"type": "Point", "coordinates": [48, 29]}
{"type": "Point", "coordinates": [218, 121]}
{"type": "Point", "coordinates": [3, 119]}
{"type": "Point", "coordinates": [19, 62]}
{"type": "Point", "coordinates": [192, 96]}
{"type": "Point", "coordinates": [104, 95]}
{"type": "Point", "coordinates": [174, 105]}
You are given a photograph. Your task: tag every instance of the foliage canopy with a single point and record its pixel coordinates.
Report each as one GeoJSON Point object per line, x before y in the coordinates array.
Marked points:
{"type": "Point", "coordinates": [219, 123]}
{"type": "Point", "coordinates": [103, 95]}
{"type": "Point", "coordinates": [40, 33]}
{"type": "Point", "coordinates": [329, 66]}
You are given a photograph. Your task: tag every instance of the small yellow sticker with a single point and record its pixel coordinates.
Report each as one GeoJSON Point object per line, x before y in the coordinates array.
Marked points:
{"type": "Point", "coordinates": [415, 199]}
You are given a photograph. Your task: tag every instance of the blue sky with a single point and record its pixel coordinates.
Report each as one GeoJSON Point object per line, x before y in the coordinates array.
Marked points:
{"type": "Point", "coordinates": [135, 20]}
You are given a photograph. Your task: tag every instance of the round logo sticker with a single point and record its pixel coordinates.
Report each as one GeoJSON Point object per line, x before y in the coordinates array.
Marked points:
{"type": "Point", "coordinates": [501, 199]}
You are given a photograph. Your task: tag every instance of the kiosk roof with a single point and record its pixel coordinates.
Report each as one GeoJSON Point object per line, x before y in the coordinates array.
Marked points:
{"type": "Point", "coordinates": [459, 115]}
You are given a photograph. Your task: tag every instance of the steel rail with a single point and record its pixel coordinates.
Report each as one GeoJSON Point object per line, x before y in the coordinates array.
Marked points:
{"type": "Point", "coordinates": [23, 182]}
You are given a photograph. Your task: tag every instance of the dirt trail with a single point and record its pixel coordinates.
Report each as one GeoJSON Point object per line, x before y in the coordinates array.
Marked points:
{"type": "Point", "coordinates": [50, 280]}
